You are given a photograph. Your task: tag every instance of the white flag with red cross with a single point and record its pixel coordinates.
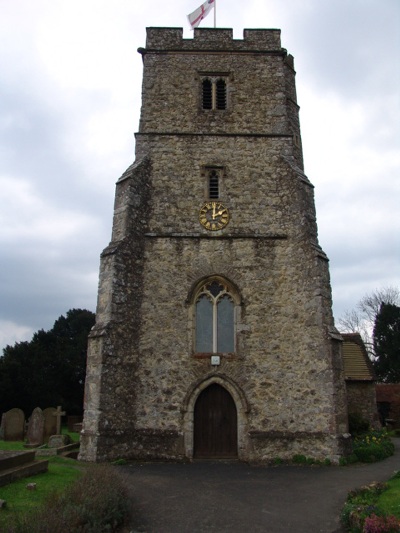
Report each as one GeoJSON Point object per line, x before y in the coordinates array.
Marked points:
{"type": "Point", "coordinates": [200, 13]}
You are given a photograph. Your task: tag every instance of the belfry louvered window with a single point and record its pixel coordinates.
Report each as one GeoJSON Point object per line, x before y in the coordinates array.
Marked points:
{"type": "Point", "coordinates": [220, 90]}
{"type": "Point", "coordinates": [214, 93]}
{"type": "Point", "coordinates": [213, 184]}
{"type": "Point", "coordinates": [207, 94]}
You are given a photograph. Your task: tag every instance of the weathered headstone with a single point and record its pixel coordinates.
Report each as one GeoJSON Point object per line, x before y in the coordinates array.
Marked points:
{"type": "Point", "coordinates": [57, 441]}
{"type": "Point", "coordinates": [36, 428]}
{"type": "Point", "coordinates": [50, 423]}
{"type": "Point", "coordinates": [13, 423]}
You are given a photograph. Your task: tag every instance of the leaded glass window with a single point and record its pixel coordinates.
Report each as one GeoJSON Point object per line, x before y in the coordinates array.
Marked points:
{"type": "Point", "coordinates": [215, 319]}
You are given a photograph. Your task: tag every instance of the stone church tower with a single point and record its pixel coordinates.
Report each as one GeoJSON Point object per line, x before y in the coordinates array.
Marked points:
{"type": "Point", "coordinates": [214, 334]}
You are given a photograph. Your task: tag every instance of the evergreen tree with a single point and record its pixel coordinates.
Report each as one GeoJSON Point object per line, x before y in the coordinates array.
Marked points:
{"type": "Point", "coordinates": [50, 369]}
{"type": "Point", "coordinates": [386, 337]}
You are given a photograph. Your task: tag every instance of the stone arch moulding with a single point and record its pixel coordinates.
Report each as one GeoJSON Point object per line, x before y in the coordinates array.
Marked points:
{"type": "Point", "coordinates": [242, 408]}
{"type": "Point", "coordinates": [209, 278]}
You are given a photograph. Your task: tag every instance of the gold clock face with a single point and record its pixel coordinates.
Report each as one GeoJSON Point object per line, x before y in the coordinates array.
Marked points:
{"type": "Point", "coordinates": [213, 216]}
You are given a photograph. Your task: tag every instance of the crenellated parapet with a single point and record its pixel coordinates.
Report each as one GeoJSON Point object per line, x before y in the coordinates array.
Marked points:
{"type": "Point", "coordinates": [214, 39]}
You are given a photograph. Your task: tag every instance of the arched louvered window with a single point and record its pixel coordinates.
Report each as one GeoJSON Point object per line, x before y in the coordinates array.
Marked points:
{"type": "Point", "coordinates": [207, 94]}
{"type": "Point", "coordinates": [220, 87]}
{"type": "Point", "coordinates": [215, 318]}
{"type": "Point", "coordinates": [214, 94]}
{"type": "Point", "coordinates": [213, 184]}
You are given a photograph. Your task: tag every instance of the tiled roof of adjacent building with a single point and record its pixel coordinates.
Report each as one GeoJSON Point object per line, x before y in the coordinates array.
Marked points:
{"type": "Point", "coordinates": [357, 365]}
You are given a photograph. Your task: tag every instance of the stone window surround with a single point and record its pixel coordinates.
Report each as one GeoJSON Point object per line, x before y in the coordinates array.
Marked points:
{"type": "Point", "coordinates": [206, 174]}
{"type": "Point", "coordinates": [234, 294]}
{"type": "Point", "coordinates": [214, 77]}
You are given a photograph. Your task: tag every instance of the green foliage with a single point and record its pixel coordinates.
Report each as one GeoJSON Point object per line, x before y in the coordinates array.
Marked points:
{"type": "Point", "coordinates": [389, 501]}
{"type": "Point", "coordinates": [120, 462]}
{"type": "Point", "coordinates": [303, 460]}
{"type": "Point", "coordinates": [386, 337]}
{"type": "Point", "coordinates": [349, 460]}
{"type": "Point", "coordinates": [50, 369]}
{"type": "Point", "coordinates": [299, 459]}
{"type": "Point", "coordinates": [61, 473]}
{"type": "Point", "coordinates": [373, 446]}
{"type": "Point", "coordinates": [12, 445]}
{"type": "Point", "coordinates": [95, 503]}
{"type": "Point", "coordinates": [374, 509]}
{"type": "Point", "coordinates": [360, 504]}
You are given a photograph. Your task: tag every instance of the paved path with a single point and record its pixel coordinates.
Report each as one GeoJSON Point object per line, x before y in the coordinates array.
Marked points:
{"type": "Point", "coordinates": [238, 498]}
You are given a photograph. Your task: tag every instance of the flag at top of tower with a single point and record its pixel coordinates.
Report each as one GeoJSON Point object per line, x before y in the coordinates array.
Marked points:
{"type": "Point", "coordinates": [200, 13]}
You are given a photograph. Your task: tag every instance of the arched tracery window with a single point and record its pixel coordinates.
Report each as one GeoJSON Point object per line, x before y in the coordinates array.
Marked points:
{"type": "Point", "coordinates": [214, 318]}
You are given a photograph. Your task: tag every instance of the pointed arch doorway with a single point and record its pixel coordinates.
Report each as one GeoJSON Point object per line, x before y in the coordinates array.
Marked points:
{"type": "Point", "coordinates": [215, 424]}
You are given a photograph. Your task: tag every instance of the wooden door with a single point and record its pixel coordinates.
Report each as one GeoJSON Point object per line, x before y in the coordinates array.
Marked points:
{"type": "Point", "coordinates": [215, 424]}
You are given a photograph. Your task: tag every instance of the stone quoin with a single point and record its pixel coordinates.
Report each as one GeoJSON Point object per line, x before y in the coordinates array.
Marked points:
{"type": "Point", "coordinates": [214, 334]}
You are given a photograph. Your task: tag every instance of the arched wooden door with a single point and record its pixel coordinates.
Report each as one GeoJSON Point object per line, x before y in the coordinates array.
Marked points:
{"type": "Point", "coordinates": [215, 424]}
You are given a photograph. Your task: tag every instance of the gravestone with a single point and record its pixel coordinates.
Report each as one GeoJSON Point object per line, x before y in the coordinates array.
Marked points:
{"type": "Point", "coordinates": [57, 441]}
{"type": "Point", "coordinates": [36, 428]}
{"type": "Point", "coordinates": [50, 423]}
{"type": "Point", "coordinates": [13, 423]}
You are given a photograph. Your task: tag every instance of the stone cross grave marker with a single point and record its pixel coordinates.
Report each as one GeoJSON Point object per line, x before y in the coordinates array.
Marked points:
{"type": "Point", "coordinates": [36, 427]}
{"type": "Point", "coordinates": [59, 413]}
{"type": "Point", "coordinates": [13, 424]}
{"type": "Point", "coordinates": [50, 422]}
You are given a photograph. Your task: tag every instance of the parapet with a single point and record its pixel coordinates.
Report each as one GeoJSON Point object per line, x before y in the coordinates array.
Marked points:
{"type": "Point", "coordinates": [213, 39]}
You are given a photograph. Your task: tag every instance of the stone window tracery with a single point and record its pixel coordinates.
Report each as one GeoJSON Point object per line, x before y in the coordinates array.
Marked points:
{"type": "Point", "coordinates": [214, 318]}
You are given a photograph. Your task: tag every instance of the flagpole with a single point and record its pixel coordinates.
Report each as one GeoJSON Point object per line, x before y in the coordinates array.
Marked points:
{"type": "Point", "coordinates": [215, 13]}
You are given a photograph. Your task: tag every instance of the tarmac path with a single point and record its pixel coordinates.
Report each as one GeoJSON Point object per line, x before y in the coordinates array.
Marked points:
{"type": "Point", "coordinates": [232, 497]}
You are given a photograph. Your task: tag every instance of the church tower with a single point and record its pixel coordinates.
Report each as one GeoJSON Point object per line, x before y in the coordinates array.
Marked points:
{"type": "Point", "coordinates": [214, 335]}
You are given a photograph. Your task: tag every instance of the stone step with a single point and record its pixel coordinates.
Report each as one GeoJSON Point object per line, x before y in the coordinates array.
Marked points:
{"type": "Point", "coordinates": [13, 459]}
{"type": "Point", "coordinates": [25, 470]}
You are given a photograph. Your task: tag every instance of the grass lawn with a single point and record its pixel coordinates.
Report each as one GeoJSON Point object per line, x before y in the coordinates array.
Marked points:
{"type": "Point", "coordinates": [19, 499]}
{"type": "Point", "coordinates": [389, 501]}
{"type": "Point", "coordinates": [61, 473]}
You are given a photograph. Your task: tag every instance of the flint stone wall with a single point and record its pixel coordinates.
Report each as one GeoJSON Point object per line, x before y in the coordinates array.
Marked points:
{"type": "Point", "coordinates": [286, 376]}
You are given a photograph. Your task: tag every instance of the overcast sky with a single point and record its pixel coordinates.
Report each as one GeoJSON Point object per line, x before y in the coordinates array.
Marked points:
{"type": "Point", "coordinates": [70, 85]}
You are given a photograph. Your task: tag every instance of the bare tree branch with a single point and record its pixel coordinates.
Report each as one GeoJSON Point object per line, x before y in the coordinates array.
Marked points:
{"type": "Point", "coordinates": [362, 319]}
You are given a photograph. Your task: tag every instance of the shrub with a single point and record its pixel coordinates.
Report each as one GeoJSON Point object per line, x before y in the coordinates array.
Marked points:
{"type": "Point", "coordinates": [381, 524]}
{"type": "Point", "coordinates": [373, 446]}
{"type": "Point", "coordinates": [299, 459]}
{"type": "Point", "coordinates": [360, 504]}
{"type": "Point", "coordinates": [96, 503]}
